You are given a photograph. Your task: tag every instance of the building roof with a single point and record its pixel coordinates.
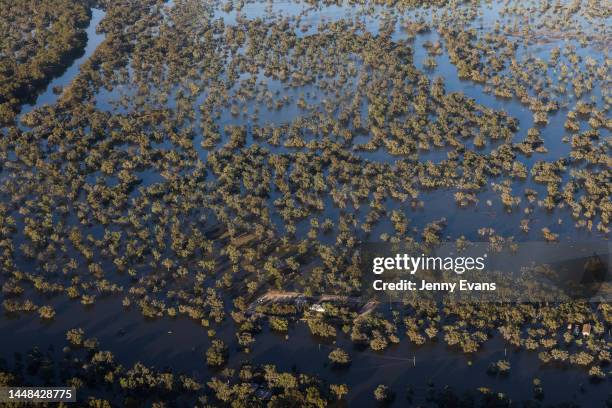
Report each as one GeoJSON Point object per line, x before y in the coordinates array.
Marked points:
{"type": "Point", "coordinates": [317, 308]}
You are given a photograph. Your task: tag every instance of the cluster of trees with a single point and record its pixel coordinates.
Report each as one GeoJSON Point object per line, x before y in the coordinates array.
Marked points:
{"type": "Point", "coordinates": [37, 40]}
{"type": "Point", "coordinates": [146, 183]}
{"type": "Point", "coordinates": [339, 357]}
{"type": "Point", "coordinates": [102, 382]}
{"type": "Point", "coordinates": [182, 194]}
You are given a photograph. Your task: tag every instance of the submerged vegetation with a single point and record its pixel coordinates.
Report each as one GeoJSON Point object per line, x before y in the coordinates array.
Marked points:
{"type": "Point", "coordinates": [37, 40]}
{"type": "Point", "coordinates": [207, 153]}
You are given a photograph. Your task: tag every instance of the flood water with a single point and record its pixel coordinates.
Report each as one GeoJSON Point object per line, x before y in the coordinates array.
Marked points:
{"type": "Point", "coordinates": [180, 343]}
{"type": "Point", "coordinates": [94, 39]}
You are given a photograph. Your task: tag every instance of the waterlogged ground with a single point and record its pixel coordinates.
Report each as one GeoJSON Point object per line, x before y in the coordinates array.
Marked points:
{"type": "Point", "coordinates": [199, 154]}
{"type": "Point", "coordinates": [178, 344]}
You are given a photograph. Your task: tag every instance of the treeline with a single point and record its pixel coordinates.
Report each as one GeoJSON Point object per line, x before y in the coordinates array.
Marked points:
{"type": "Point", "coordinates": [38, 39]}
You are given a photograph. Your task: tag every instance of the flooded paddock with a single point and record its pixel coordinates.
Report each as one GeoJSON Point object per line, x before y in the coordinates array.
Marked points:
{"type": "Point", "coordinates": [195, 156]}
